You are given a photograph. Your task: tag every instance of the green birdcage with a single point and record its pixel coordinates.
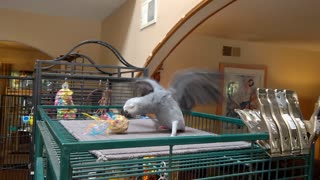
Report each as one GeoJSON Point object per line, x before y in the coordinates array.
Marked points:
{"type": "Point", "coordinates": [206, 155]}
{"type": "Point", "coordinates": [212, 147]}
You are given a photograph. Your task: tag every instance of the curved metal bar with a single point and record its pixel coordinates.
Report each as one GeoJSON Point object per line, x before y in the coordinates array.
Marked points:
{"type": "Point", "coordinates": [107, 45]}
{"type": "Point", "coordinates": [92, 62]}
{"type": "Point", "coordinates": [81, 56]}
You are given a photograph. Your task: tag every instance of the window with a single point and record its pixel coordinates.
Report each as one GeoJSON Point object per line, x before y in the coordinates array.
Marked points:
{"type": "Point", "coordinates": [148, 13]}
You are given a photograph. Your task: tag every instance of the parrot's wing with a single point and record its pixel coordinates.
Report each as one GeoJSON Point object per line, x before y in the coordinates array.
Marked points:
{"type": "Point", "coordinates": [146, 86]}
{"type": "Point", "coordinates": [196, 87]}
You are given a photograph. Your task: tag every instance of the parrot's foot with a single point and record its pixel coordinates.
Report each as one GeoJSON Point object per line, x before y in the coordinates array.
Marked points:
{"type": "Point", "coordinates": [163, 127]}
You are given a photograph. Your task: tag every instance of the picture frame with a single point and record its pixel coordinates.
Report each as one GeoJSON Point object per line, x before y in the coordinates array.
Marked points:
{"type": "Point", "coordinates": [239, 87]}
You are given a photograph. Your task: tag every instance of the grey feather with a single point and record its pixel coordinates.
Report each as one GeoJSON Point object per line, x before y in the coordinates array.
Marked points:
{"type": "Point", "coordinates": [196, 87]}
{"type": "Point", "coordinates": [145, 86]}
{"type": "Point", "coordinates": [188, 88]}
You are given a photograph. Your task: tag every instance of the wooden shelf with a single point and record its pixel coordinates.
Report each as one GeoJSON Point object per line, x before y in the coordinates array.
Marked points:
{"type": "Point", "coordinates": [25, 92]}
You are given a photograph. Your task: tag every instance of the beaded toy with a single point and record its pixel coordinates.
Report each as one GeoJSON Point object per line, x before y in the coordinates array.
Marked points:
{"type": "Point", "coordinates": [64, 98]}
{"type": "Point", "coordinates": [107, 123]}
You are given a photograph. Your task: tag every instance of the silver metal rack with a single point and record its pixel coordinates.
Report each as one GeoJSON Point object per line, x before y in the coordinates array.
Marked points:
{"type": "Point", "coordinates": [279, 115]}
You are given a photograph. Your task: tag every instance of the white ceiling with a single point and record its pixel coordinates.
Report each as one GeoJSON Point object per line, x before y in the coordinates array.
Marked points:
{"type": "Point", "coordinates": [292, 23]}
{"type": "Point", "coordinates": [86, 9]}
{"type": "Point", "coordinates": [287, 22]}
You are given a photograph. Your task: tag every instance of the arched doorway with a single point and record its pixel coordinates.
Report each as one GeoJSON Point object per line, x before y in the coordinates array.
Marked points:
{"type": "Point", "coordinates": [279, 34]}
{"type": "Point", "coordinates": [20, 55]}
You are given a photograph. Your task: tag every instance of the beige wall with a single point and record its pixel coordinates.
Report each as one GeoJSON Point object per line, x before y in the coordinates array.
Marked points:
{"type": "Point", "coordinates": [122, 29]}
{"type": "Point", "coordinates": [287, 68]}
{"type": "Point", "coordinates": [56, 35]}
{"type": "Point", "coordinates": [53, 35]}
{"type": "Point", "coordinates": [21, 59]}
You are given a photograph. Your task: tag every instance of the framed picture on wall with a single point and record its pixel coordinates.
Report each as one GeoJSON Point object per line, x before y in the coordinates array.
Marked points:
{"type": "Point", "coordinates": [239, 87]}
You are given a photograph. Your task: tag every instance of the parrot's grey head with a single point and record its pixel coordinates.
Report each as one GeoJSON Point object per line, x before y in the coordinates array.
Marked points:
{"type": "Point", "coordinates": [133, 107]}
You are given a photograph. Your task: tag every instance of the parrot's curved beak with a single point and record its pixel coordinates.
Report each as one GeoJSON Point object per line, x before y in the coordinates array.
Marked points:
{"type": "Point", "coordinates": [126, 114]}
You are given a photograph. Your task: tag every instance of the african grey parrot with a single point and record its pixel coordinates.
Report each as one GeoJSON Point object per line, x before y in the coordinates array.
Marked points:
{"type": "Point", "coordinates": [187, 89]}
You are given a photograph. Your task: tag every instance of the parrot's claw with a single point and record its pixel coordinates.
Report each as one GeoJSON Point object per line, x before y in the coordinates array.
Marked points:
{"type": "Point", "coordinates": [174, 128]}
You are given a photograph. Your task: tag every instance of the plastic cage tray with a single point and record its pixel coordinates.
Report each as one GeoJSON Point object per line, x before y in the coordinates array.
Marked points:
{"type": "Point", "coordinates": [68, 158]}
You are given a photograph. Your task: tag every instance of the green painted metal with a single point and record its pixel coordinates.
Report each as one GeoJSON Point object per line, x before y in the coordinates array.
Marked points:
{"type": "Point", "coordinates": [161, 141]}
{"type": "Point", "coordinates": [216, 117]}
{"type": "Point", "coordinates": [53, 159]}
{"type": "Point", "coordinates": [69, 159]}
{"type": "Point", "coordinates": [51, 127]}
{"type": "Point", "coordinates": [39, 173]}
{"type": "Point", "coordinates": [311, 161]}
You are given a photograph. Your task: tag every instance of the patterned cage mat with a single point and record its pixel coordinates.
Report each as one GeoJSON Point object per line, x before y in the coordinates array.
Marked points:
{"type": "Point", "coordinates": [144, 128]}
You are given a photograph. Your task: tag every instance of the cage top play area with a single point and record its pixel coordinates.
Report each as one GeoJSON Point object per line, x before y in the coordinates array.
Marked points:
{"type": "Point", "coordinates": [213, 146]}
